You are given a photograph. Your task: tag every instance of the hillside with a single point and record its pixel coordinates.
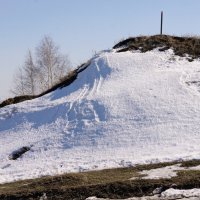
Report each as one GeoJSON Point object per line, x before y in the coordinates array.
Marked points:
{"type": "Point", "coordinates": [126, 107]}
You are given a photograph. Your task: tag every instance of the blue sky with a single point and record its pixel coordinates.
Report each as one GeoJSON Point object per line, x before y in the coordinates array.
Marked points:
{"type": "Point", "coordinates": [81, 27]}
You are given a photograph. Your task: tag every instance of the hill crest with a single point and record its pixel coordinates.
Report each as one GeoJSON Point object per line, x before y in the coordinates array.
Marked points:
{"type": "Point", "coordinates": [182, 46]}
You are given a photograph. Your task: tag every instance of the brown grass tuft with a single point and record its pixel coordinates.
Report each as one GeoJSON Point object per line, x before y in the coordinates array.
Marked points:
{"type": "Point", "coordinates": [180, 45]}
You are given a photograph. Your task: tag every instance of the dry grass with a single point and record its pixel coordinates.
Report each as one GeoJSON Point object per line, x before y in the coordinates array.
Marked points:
{"type": "Point", "coordinates": [180, 45]}
{"type": "Point", "coordinates": [65, 81]}
{"type": "Point", "coordinates": [191, 163]}
{"type": "Point", "coordinates": [110, 183]}
{"type": "Point", "coordinates": [15, 100]}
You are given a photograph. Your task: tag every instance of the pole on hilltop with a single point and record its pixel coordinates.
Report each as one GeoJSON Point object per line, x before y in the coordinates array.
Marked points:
{"type": "Point", "coordinates": [161, 23]}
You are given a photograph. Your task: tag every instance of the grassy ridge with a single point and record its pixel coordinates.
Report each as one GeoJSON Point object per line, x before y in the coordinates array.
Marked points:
{"type": "Point", "coordinates": [180, 45]}
{"type": "Point", "coordinates": [110, 183]}
{"type": "Point", "coordinates": [65, 81]}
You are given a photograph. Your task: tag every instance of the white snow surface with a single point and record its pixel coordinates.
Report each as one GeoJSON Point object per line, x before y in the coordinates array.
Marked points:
{"type": "Point", "coordinates": [124, 109]}
{"type": "Point", "coordinates": [170, 194]}
{"type": "Point", "coordinates": [165, 172]}
{"type": "Point", "coordinates": [177, 194]}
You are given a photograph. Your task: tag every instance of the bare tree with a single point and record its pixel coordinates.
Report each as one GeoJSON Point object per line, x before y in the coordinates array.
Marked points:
{"type": "Point", "coordinates": [18, 87]}
{"type": "Point", "coordinates": [38, 75]}
{"type": "Point", "coordinates": [30, 75]}
{"type": "Point", "coordinates": [63, 67]}
{"type": "Point", "coordinates": [25, 78]}
{"type": "Point", "coordinates": [52, 65]}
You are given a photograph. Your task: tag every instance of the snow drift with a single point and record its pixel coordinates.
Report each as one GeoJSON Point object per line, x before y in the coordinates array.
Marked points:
{"type": "Point", "coordinates": [123, 109]}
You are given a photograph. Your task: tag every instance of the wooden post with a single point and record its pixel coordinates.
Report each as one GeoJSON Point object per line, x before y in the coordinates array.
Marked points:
{"type": "Point", "coordinates": [161, 23]}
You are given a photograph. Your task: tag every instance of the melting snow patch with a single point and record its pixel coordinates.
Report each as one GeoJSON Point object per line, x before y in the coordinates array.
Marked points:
{"type": "Point", "coordinates": [177, 194]}
{"type": "Point", "coordinates": [164, 172]}
{"type": "Point", "coordinates": [170, 194]}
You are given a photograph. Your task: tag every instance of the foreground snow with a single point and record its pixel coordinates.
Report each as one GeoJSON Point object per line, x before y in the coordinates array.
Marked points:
{"type": "Point", "coordinates": [125, 108]}
{"type": "Point", "coordinates": [170, 194]}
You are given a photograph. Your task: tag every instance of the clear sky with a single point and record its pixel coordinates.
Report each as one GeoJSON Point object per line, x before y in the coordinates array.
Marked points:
{"type": "Point", "coordinates": [81, 27]}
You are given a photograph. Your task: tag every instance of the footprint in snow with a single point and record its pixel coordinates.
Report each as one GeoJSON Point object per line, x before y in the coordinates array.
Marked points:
{"type": "Point", "coordinates": [6, 166]}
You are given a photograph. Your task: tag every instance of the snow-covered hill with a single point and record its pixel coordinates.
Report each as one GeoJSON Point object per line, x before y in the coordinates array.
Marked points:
{"type": "Point", "coordinates": [124, 108]}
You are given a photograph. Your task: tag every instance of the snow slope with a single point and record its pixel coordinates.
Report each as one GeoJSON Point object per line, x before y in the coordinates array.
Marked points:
{"type": "Point", "coordinates": [125, 108]}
